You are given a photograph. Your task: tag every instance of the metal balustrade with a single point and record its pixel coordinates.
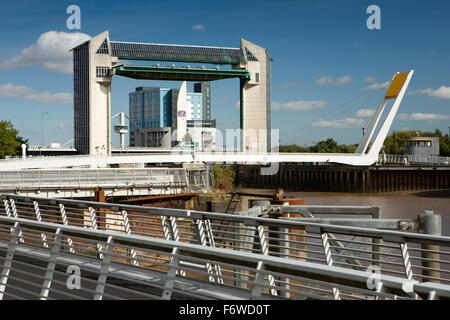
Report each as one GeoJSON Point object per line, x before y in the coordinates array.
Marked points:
{"type": "Point", "coordinates": [178, 179]}
{"type": "Point", "coordinates": [407, 255]}
{"type": "Point", "coordinates": [413, 159]}
{"type": "Point", "coordinates": [168, 269]}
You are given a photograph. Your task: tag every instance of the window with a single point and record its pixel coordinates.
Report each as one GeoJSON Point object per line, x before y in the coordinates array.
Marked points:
{"type": "Point", "coordinates": [103, 49]}
{"type": "Point", "coordinates": [257, 77]}
{"type": "Point", "coordinates": [102, 72]}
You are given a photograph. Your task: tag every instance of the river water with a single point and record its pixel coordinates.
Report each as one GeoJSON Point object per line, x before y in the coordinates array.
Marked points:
{"type": "Point", "coordinates": [404, 205]}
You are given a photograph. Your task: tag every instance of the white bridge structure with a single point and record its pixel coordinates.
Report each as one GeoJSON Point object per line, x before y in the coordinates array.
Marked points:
{"type": "Point", "coordinates": [366, 154]}
{"type": "Point", "coordinates": [76, 183]}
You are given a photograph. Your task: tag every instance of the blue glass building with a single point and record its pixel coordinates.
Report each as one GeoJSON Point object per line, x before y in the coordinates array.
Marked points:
{"type": "Point", "coordinates": [152, 110]}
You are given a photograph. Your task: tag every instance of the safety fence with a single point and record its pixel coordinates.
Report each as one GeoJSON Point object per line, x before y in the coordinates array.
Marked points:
{"type": "Point", "coordinates": [381, 253]}
{"type": "Point", "coordinates": [37, 261]}
{"type": "Point", "coordinates": [413, 159]}
{"type": "Point", "coordinates": [178, 179]}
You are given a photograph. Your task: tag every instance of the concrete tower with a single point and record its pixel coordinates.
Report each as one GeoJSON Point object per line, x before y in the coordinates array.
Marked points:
{"type": "Point", "coordinates": [92, 95]}
{"type": "Point", "coordinates": [255, 99]}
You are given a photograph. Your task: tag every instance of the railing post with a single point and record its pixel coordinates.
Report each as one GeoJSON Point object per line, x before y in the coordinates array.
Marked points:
{"type": "Point", "coordinates": [15, 233]}
{"type": "Point", "coordinates": [186, 178]}
{"type": "Point", "coordinates": [93, 218]}
{"type": "Point", "coordinates": [38, 218]}
{"type": "Point", "coordinates": [212, 243]}
{"type": "Point", "coordinates": [406, 261]}
{"type": "Point", "coordinates": [66, 223]}
{"type": "Point", "coordinates": [328, 258]}
{"type": "Point", "coordinates": [259, 280]}
{"type": "Point", "coordinates": [201, 234]}
{"type": "Point", "coordinates": [13, 208]}
{"type": "Point", "coordinates": [104, 270]}
{"type": "Point", "coordinates": [51, 265]}
{"type": "Point", "coordinates": [265, 251]}
{"type": "Point", "coordinates": [430, 223]}
{"type": "Point", "coordinates": [171, 274]}
{"type": "Point", "coordinates": [15, 215]}
{"type": "Point", "coordinates": [7, 209]}
{"type": "Point", "coordinates": [284, 253]}
{"type": "Point", "coordinates": [127, 225]}
{"type": "Point", "coordinates": [246, 244]}
{"type": "Point", "coordinates": [175, 234]}
{"type": "Point", "coordinates": [165, 229]}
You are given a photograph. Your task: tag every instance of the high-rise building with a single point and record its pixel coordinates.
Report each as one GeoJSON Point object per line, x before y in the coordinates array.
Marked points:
{"type": "Point", "coordinates": [162, 117]}
{"type": "Point", "coordinates": [205, 89]}
{"type": "Point", "coordinates": [150, 108]}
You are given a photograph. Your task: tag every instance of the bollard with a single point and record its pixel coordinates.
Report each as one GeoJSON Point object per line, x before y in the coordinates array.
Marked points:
{"type": "Point", "coordinates": [430, 223]}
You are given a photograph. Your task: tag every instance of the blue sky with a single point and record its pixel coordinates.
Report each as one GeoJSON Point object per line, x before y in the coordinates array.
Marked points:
{"type": "Point", "coordinates": [327, 63]}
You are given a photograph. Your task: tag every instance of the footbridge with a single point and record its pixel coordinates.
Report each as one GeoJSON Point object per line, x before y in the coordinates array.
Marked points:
{"type": "Point", "coordinates": [366, 154]}
{"type": "Point", "coordinates": [76, 183]}
{"type": "Point", "coordinates": [130, 252]}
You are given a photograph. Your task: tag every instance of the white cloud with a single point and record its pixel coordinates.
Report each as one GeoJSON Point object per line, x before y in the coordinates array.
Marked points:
{"type": "Point", "coordinates": [423, 116]}
{"type": "Point", "coordinates": [370, 79]}
{"type": "Point", "coordinates": [51, 51]}
{"type": "Point", "coordinates": [339, 81]}
{"type": "Point", "coordinates": [10, 90]}
{"type": "Point", "coordinates": [299, 105]}
{"type": "Point", "coordinates": [443, 92]}
{"type": "Point", "coordinates": [199, 27]}
{"type": "Point", "coordinates": [378, 85]}
{"type": "Point", "coordinates": [344, 123]}
{"type": "Point", "coordinates": [365, 113]}
{"type": "Point", "coordinates": [325, 80]}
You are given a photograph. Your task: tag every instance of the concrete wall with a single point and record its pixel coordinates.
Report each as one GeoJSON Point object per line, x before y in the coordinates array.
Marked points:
{"type": "Point", "coordinates": [255, 102]}
{"type": "Point", "coordinates": [100, 97]}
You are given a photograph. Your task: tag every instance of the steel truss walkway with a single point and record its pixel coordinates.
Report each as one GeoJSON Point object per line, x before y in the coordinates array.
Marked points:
{"type": "Point", "coordinates": [178, 73]}
{"type": "Point", "coordinates": [128, 251]}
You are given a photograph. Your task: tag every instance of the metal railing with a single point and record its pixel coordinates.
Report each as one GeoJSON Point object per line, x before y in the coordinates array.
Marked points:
{"type": "Point", "coordinates": [37, 259]}
{"type": "Point", "coordinates": [413, 256]}
{"type": "Point", "coordinates": [413, 159]}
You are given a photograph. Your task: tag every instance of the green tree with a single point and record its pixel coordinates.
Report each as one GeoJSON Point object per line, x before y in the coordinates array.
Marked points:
{"type": "Point", "coordinates": [223, 177]}
{"type": "Point", "coordinates": [294, 148]}
{"type": "Point", "coordinates": [344, 148]}
{"type": "Point", "coordinates": [10, 141]}
{"type": "Point", "coordinates": [325, 146]}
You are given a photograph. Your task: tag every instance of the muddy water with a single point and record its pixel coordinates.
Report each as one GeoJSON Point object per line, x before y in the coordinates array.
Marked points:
{"type": "Point", "coordinates": [393, 205]}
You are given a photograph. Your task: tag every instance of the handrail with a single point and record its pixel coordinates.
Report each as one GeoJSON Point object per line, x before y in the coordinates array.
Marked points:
{"type": "Point", "coordinates": [336, 277]}
{"type": "Point", "coordinates": [422, 257]}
